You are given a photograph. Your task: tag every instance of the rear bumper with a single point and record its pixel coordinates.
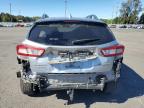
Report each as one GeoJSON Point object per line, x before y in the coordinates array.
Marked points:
{"type": "Point", "coordinates": [72, 81]}
{"type": "Point", "coordinates": [76, 77]}
{"type": "Point", "coordinates": [76, 86]}
{"type": "Point", "coordinates": [83, 80]}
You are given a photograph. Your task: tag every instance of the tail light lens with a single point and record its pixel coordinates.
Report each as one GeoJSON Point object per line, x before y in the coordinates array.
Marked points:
{"type": "Point", "coordinates": [26, 50]}
{"type": "Point", "coordinates": [113, 51]}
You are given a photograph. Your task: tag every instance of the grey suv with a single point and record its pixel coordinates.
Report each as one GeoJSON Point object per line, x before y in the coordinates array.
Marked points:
{"type": "Point", "coordinates": [69, 54]}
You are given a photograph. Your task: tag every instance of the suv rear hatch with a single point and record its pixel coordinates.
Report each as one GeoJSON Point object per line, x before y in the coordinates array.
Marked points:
{"type": "Point", "coordinates": [70, 47]}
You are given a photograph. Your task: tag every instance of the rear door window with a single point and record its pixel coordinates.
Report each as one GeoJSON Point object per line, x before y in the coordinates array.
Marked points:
{"type": "Point", "coordinates": [67, 33]}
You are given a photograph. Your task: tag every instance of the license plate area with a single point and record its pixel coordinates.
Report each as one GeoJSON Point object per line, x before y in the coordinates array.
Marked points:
{"type": "Point", "coordinates": [72, 57]}
{"type": "Point", "coordinates": [73, 65]}
{"type": "Point", "coordinates": [75, 54]}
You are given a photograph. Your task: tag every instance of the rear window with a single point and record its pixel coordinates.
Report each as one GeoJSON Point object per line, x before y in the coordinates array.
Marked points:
{"type": "Point", "coordinates": [69, 34]}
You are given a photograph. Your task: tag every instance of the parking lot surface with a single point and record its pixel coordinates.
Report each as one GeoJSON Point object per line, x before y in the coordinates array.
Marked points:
{"type": "Point", "coordinates": [129, 93]}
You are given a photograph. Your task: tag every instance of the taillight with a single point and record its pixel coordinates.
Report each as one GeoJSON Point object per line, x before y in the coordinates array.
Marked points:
{"type": "Point", "coordinates": [113, 50]}
{"type": "Point", "coordinates": [26, 50]}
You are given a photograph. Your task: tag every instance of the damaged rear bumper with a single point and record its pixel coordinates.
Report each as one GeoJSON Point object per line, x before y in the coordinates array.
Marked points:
{"type": "Point", "coordinates": [70, 81]}
{"type": "Point", "coordinates": [76, 86]}
{"type": "Point", "coordinates": [58, 81]}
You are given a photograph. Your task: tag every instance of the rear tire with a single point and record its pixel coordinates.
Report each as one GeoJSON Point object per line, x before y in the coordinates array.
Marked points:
{"type": "Point", "coordinates": [28, 88]}
{"type": "Point", "coordinates": [110, 87]}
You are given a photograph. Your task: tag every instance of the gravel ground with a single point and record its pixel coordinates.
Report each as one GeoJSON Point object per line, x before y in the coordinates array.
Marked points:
{"type": "Point", "coordinates": [130, 92]}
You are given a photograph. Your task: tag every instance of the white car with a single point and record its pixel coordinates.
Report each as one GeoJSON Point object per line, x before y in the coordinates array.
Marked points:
{"type": "Point", "coordinates": [69, 54]}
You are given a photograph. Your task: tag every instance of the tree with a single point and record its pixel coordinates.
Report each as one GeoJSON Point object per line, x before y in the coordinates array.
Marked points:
{"type": "Point", "coordinates": [5, 17]}
{"type": "Point", "coordinates": [129, 11]}
{"type": "Point", "coordinates": [36, 18]}
{"type": "Point", "coordinates": [117, 20]}
{"type": "Point", "coordinates": [108, 21]}
{"type": "Point", "coordinates": [0, 19]}
{"type": "Point", "coordinates": [141, 21]}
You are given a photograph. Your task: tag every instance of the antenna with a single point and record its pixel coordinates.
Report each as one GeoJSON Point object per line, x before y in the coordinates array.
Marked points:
{"type": "Point", "coordinates": [112, 15]}
{"type": "Point", "coordinates": [10, 7]}
{"type": "Point", "coordinates": [66, 8]}
{"type": "Point", "coordinates": [19, 12]}
{"type": "Point", "coordinates": [10, 12]}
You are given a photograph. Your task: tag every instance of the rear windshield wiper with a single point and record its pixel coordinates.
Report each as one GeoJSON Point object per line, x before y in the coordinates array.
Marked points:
{"type": "Point", "coordinates": [83, 41]}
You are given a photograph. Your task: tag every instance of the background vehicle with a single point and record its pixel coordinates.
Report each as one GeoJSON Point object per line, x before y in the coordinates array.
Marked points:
{"type": "Point", "coordinates": [112, 26]}
{"type": "Point", "coordinates": [1, 25]}
{"type": "Point", "coordinates": [19, 25]}
{"type": "Point", "coordinates": [69, 54]}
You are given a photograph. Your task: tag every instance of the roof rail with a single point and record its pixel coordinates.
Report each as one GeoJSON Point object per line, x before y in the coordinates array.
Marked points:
{"type": "Point", "coordinates": [44, 16]}
{"type": "Point", "coordinates": [93, 17]}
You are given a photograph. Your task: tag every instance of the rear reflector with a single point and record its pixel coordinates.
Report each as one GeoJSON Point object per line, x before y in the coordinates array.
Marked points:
{"type": "Point", "coordinates": [113, 50]}
{"type": "Point", "coordinates": [26, 50]}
